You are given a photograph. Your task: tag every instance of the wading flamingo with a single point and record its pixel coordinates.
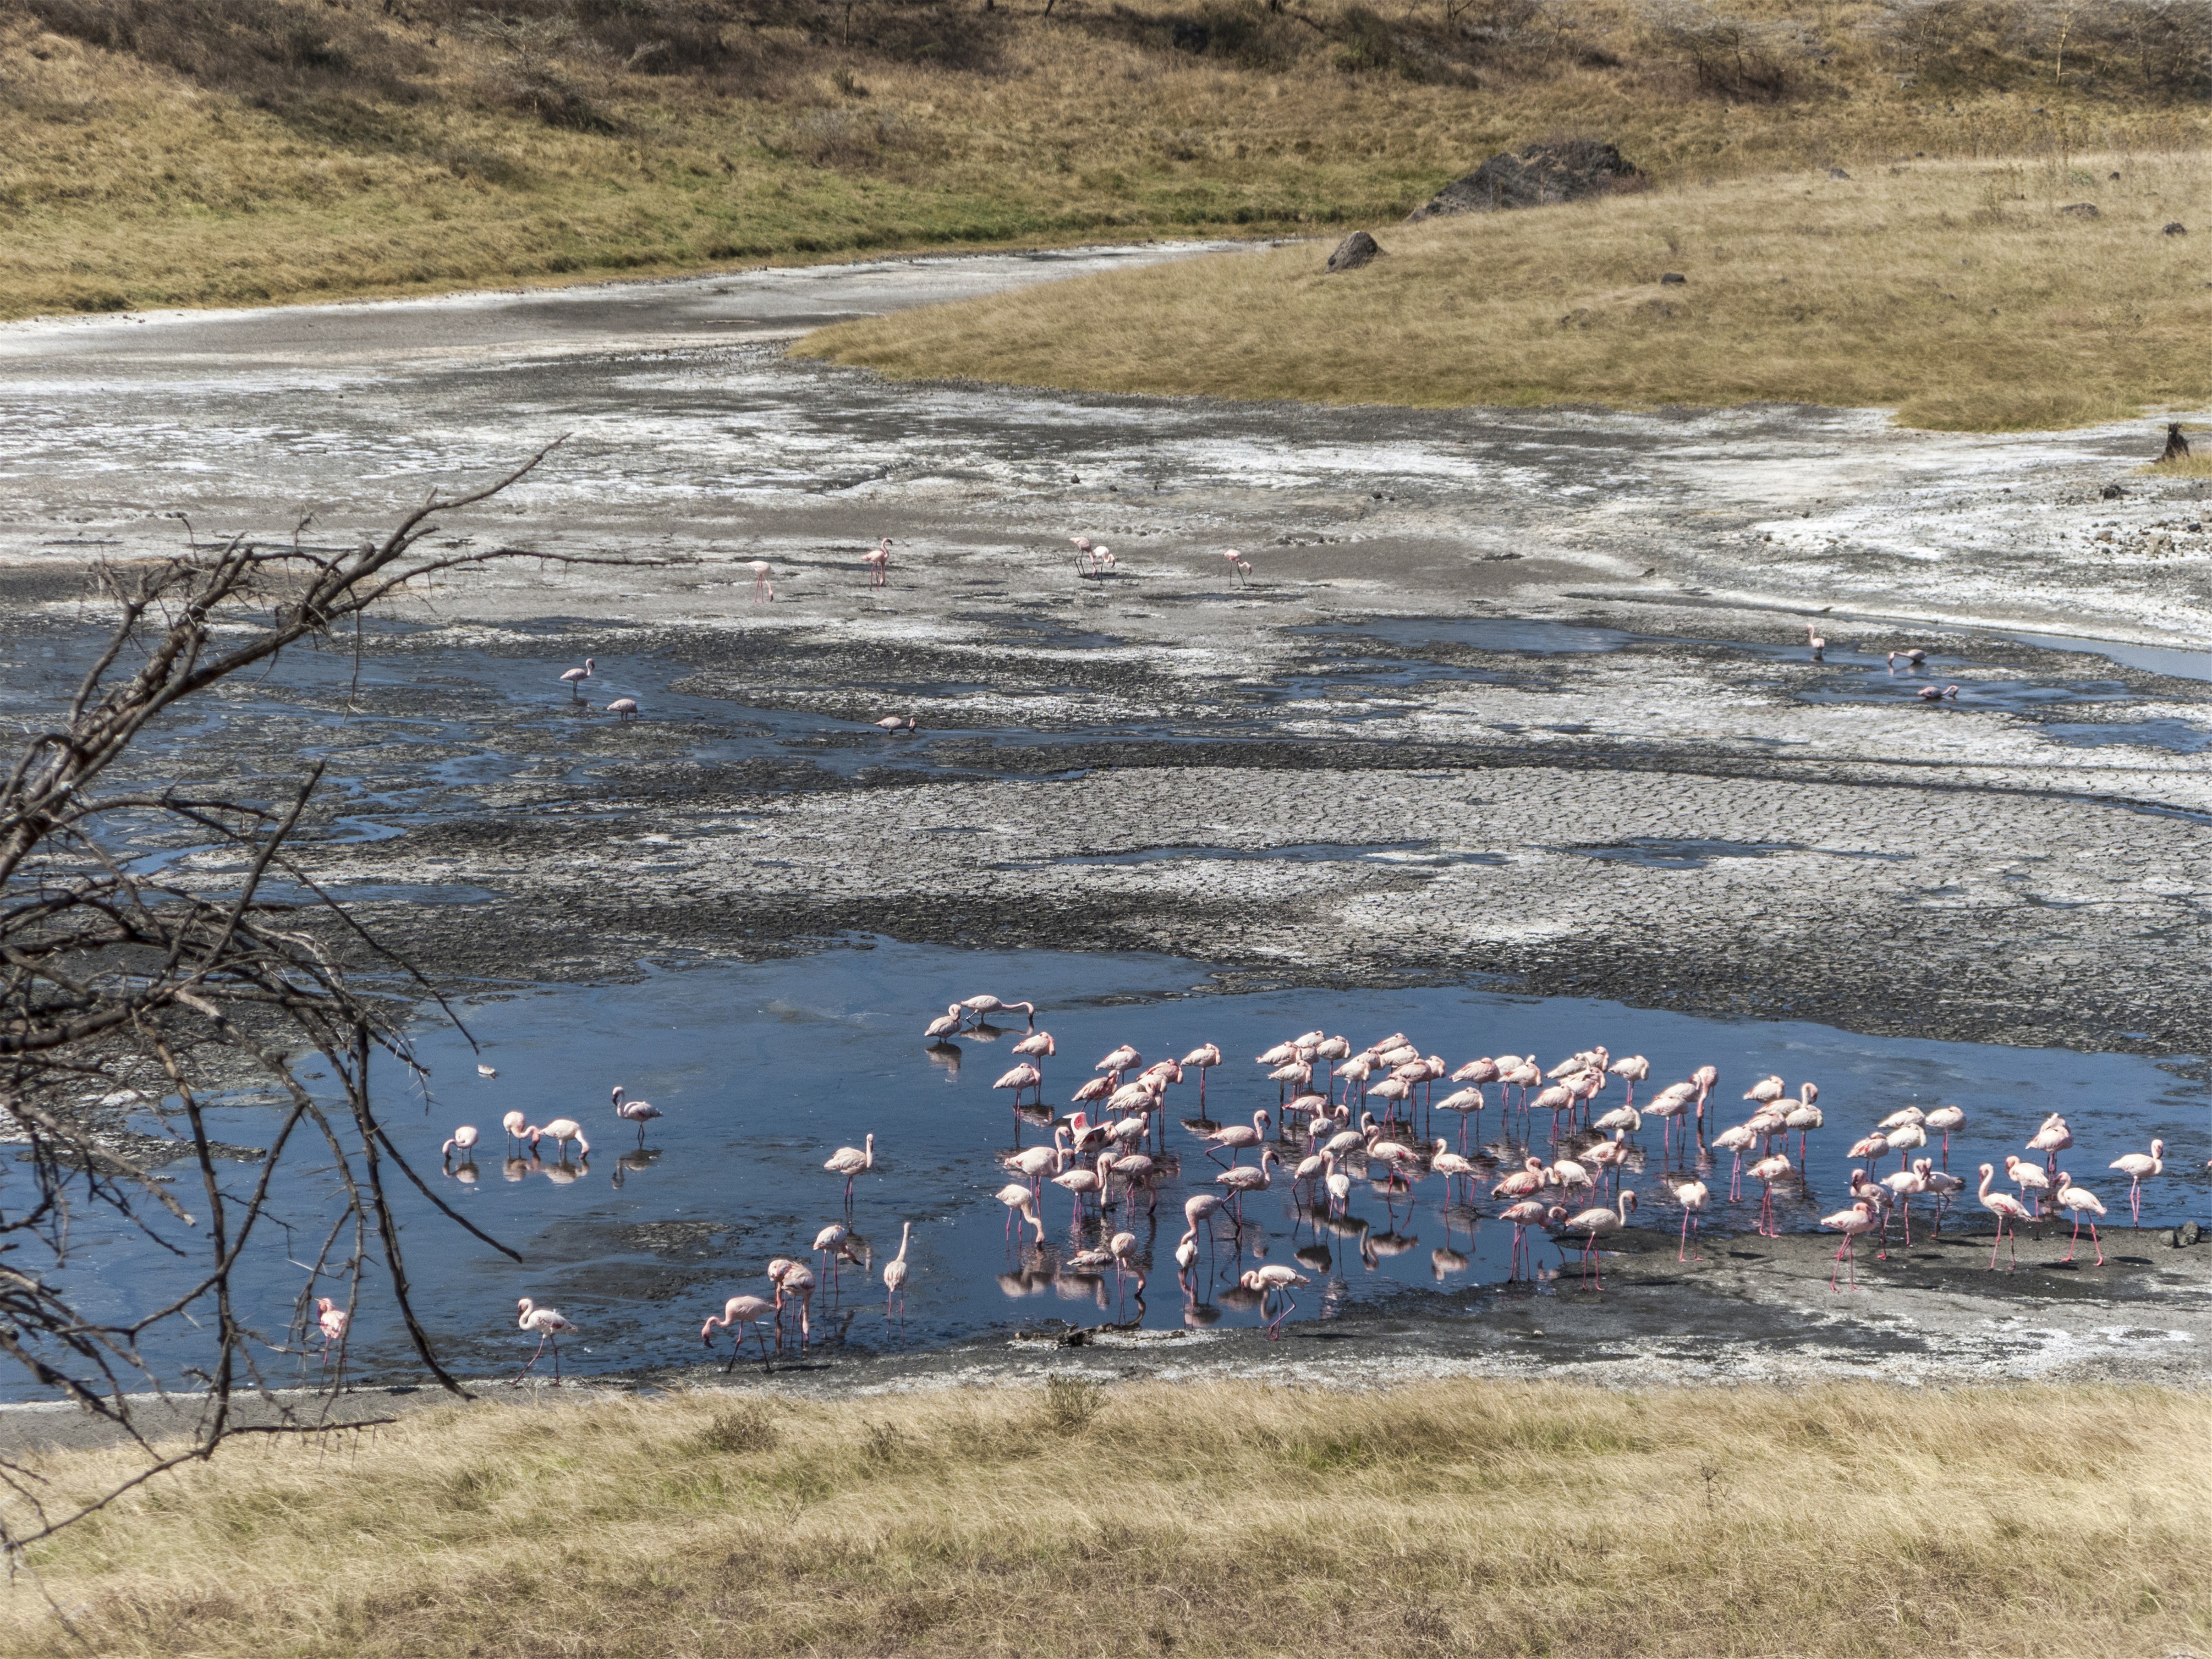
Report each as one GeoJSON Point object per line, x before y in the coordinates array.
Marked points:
{"type": "Point", "coordinates": [1595, 1222]}
{"type": "Point", "coordinates": [878, 561]}
{"type": "Point", "coordinates": [849, 1161]}
{"type": "Point", "coordinates": [1204, 1059]}
{"type": "Point", "coordinates": [763, 586]}
{"type": "Point", "coordinates": [1859, 1219]}
{"type": "Point", "coordinates": [1238, 563]}
{"type": "Point", "coordinates": [574, 678]}
{"type": "Point", "coordinates": [2031, 1181]}
{"type": "Point", "coordinates": [1019, 1202]}
{"type": "Point", "coordinates": [1933, 694]}
{"type": "Point", "coordinates": [753, 1310]}
{"type": "Point", "coordinates": [1766, 1172]}
{"type": "Point", "coordinates": [517, 1128]}
{"type": "Point", "coordinates": [1528, 1212]}
{"type": "Point", "coordinates": [946, 1022]}
{"type": "Point", "coordinates": [895, 1276]}
{"type": "Point", "coordinates": [548, 1325]}
{"type": "Point", "coordinates": [980, 1005]}
{"type": "Point", "coordinates": [1632, 1069]}
{"type": "Point", "coordinates": [898, 723]}
{"type": "Point", "coordinates": [2136, 1166]}
{"type": "Point", "coordinates": [1943, 1120]}
{"type": "Point", "coordinates": [1736, 1142]}
{"type": "Point", "coordinates": [563, 1130]}
{"type": "Point", "coordinates": [1274, 1280]}
{"type": "Point", "coordinates": [795, 1279]}
{"type": "Point", "coordinates": [332, 1320]}
{"type": "Point", "coordinates": [639, 1112]}
{"type": "Point", "coordinates": [1692, 1196]}
{"type": "Point", "coordinates": [1235, 1137]}
{"type": "Point", "coordinates": [1814, 641]}
{"type": "Point", "coordinates": [2052, 1138]}
{"type": "Point", "coordinates": [466, 1138]}
{"type": "Point", "coordinates": [1247, 1178]}
{"type": "Point", "coordinates": [2079, 1199]}
{"type": "Point", "coordinates": [2006, 1208]}
{"type": "Point", "coordinates": [624, 708]}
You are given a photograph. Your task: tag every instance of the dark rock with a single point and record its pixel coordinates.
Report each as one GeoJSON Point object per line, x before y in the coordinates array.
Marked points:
{"type": "Point", "coordinates": [1838, 172]}
{"type": "Point", "coordinates": [1353, 251]}
{"type": "Point", "coordinates": [1536, 175]}
{"type": "Point", "coordinates": [2177, 228]}
{"type": "Point", "coordinates": [1673, 279]}
{"type": "Point", "coordinates": [2081, 209]}
{"type": "Point", "coordinates": [2112, 492]}
{"type": "Point", "coordinates": [2177, 446]}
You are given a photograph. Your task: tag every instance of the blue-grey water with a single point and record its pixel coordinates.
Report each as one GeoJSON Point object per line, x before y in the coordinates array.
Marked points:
{"type": "Point", "coordinates": [762, 1070]}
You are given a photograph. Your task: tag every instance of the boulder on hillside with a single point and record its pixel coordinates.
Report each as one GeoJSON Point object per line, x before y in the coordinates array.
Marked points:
{"type": "Point", "coordinates": [1537, 175]}
{"type": "Point", "coordinates": [1353, 251]}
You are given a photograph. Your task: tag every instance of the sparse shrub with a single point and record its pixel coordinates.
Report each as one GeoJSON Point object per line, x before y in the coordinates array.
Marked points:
{"type": "Point", "coordinates": [739, 1430]}
{"type": "Point", "coordinates": [882, 1444]}
{"type": "Point", "coordinates": [1070, 1401]}
{"type": "Point", "coordinates": [1729, 57]}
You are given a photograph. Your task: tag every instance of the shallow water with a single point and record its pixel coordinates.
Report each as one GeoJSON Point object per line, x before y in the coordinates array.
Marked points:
{"type": "Point", "coordinates": [762, 1070]}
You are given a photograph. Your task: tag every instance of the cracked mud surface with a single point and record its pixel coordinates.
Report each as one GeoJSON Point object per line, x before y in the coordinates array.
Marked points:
{"type": "Point", "coordinates": [1365, 767]}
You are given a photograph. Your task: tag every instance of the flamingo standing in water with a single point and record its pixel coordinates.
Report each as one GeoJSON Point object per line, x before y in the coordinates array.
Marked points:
{"type": "Point", "coordinates": [624, 708]}
{"type": "Point", "coordinates": [1595, 1222]}
{"type": "Point", "coordinates": [1077, 1181]}
{"type": "Point", "coordinates": [2052, 1138]}
{"type": "Point", "coordinates": [1736, 1142]}
{"type": "Point", "coordinates": [332, 1320]}
{"type": "Point", "coordinates": [849, 1161]}
{"type": "Point", "coordinates": [1692, 1196]}
{"type": "Point", "coordinates": [1705, 1077]}
{"type": "Point", "coordinates": [639, 1112]}
{"type": "Point", "coordinates": [1933, 694]}
{"type": "Point", "coordinates": [1020, 1201]}
{"type": "Point", "coordinates": [1766, 1172]}
{"type": "Point", "coordinates": [878, 561]}
{"type": "Point", "coordinates": [899, 723]}
{"type": "Point", "coordinates": [548, 1325]}
{"type": "Point", "coordinates": [1632, 1069]}
{"type": "Point", "coordinates": [753, 1310]}
{"type": "Point", "coordinates": [1813, 639]}
{"type": "Point", "coordinates": [795, 1279]}
{"type": "Point", "coordinates": [946, 1023]}
{"type": "Point", "coordinates": [1024, 1076]}
{"type": "Point", "coordinates": [1528, 1212]}
{"type": "Point", "coordinates": [466, 1138]}
{"type": "Point", "coordinates": [2136, 1166]}
{"type": "Point", "coordinates": [2006, 1208]}
{"type": "Point", "coordinates": [763, 587]}
{"type": "Point", "coordinates": [2031, 1181]}
{"type": "Point", "coordinates": [574, 678]}
{"type": "Point", "coordinates": [1859, 1219]}
{"type": "Point", "coordinates": [830, 1245]}
{"type": "Point", "coordinates": [2079, 1199]}
{"type": "Point", "coordinates": [1944, 1119]}
{"type": "Point", "coordinates": [1235, 1137]}
{"type": "Point", "coordinates": [980, 1005]}
{"type": "Point", "coordinates": [517, 1128]}
{"type": "Point", "coordinates": [1204, 1057]}
{"type": "Point", "coordinates": [1274, 1280]}
{"type": "Point", "coordinates": [895, 1276]}
{"type": "Point", "coordinates": [1246, 1178]}
{"type": "Point", "coordinates": [563, 1130]}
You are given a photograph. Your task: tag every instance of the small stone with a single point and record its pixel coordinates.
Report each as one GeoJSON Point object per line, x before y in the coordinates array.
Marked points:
{"type": "Point", "coordinates": [1673, 279]}
{"type": "Point", "coordinates": [2081, 209]}
{"type": "Point", "coordinates": [1353, 251]}
{"type": "Point", "coordinates": [1838, 172]}
{"type": "Point", "coordinates": [2190, 1232]}
{"type": "Point", "coordinates": [2112, 492]}
{"type": "Point", "coordinates": [2177, 228]}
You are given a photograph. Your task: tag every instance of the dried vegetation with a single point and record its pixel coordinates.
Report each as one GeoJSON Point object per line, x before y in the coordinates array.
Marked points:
{"type": "Point", "coordinates": [183, 152]}
{"type": "Point", "coordinates": [1454, 1517]}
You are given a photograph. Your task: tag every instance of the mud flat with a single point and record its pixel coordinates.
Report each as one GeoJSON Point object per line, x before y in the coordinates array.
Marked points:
{"type": "Point", "coordinates": [1521, 698]}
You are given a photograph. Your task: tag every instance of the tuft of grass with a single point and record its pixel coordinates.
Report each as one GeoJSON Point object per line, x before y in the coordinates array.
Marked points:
{"type": "Point", "coordinates": [1453, 1516]}
{"type": "Point", "coordinates": [1070, 1402]}
{"type": "Point", "coordinates": [739, 1430]}
{"type": "Point", "coordinates": [1958, 293]}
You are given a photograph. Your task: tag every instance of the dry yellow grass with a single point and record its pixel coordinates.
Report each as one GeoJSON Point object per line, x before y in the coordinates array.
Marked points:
{"type": "Point", "coordinates": [125, 184]}
{"type": "Point", "coordinates": [1961, 295]}
{"type": "Point", "coordinates": [1461, 1517]}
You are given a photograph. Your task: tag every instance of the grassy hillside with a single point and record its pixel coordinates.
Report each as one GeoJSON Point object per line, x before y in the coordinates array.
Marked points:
{"type": "Point", "coordinates": [1858, 1519]}
{"type": "Point", "coordinates": [185, 152]}
{"type": "Point", "coordinates": [1965, 296]}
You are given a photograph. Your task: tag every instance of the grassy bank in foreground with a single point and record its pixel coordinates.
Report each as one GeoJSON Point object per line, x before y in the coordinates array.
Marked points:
{"type": "Point", "coordinates": [1855, 1519]}
{"type": "Point", "coordinates": [237, 152]}
{"type": "Point", "coordinates": [1963, 294]}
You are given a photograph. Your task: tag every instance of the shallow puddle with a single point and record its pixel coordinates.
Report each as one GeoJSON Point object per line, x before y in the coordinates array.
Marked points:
{"type": "Point", "coordinates": [762, 1071]}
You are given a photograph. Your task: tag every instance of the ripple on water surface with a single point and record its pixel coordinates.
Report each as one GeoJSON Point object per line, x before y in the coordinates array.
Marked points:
{"type": "Point", "coordinates": [762, 1070]}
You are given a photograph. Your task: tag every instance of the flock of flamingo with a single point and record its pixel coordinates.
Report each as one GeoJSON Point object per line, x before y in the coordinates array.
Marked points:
{"type": "Point", "coordinates": [1109, 1152]}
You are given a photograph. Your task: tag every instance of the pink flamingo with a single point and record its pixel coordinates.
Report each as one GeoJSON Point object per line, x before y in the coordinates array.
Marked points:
{"type": "Point", "coordinates": [1736, 1142]}
{"type": "Point", "coordinates": [1944, 1119]}
{"type": "Point", "coordinates": [1238, 563]}
{"type": "Point", "coordinates": [1274, 1280]}
{"type": "Point", "coordinates": [2079, 1199]}
{"type": "Point", "coordinates": [795, 1279]}
{"type": "Point", "coordinates": [1907, 1185]}
{"type": "Point", "coordinates": [466, 1138]}
{"type": "Point", "coordinates": [1122, 1059]}
{"type": "Point", "coordinates": [332, 1320]}
{"type": "Point", "coordinates": [624, 708]}
{"type": "Point", "coordinates": [878, 561]}
{"type": "Point", "coordinates": [1766, 1172]}
{"type": "Point", "coordinates": [1204, 1059]}
{"type": "Point", "coordinates": [563, 1130]}
{"type": "Point", "coordinates": [548, 1325]}
{"type": "Point", "coordinates": [849, 1161]}
{"type": "Point", "coordinates": [1078, 1181]}
{"type": "Point", "coordinates": [763, 588]}
{"type": "Point", "coordinates": [1930, 694]}
{"type": "Point", "coordinates": [2006, 1208]}
{"type": "Point", "coordinates": [895, 1276]}
{"type": "Point", "coordinates": [1705, 1077]}
{"type": "Point", "coordinates": [1528, 1212]}
{"type": "Point", "coordinates": [1246, 1178]}
{"type": "Point", "coordinates": [1692, 1196]}
{"type": "Point", "coordinates": [574, 678]}
{"type": "Point", "coordinates": [1859, 1219]}
{"type": "Point", "coordinates": [1817, 645]}
{"type": "Point", "coordinates": [753, 1310]}
{"type": "Point", "coordinates": [2030, 1180]}
{"type": "Point", "coordinates": [946, 1023]}
{"type": "Point", "coordinates": [1037, 1045]}
{"type": "Point", "coordinates": [1452, 1167]}
{"type": "Point", "coordinates": [1632, 1069]}
{"type": "Point", "coordinates": [517, 1128]}
{"type": "Point", "coordinates": [2136, 1166]}
{"type": "Point", "coordinates": [1024, 1076]}
{"type": "Point", "coordinates": [1018, 1201]}
{"type": "Point", "coordinates": [899, 723]}
{"type": "Point", "coordinates": [1462, 1101]}
{"type": "Point", "coordinates": [2052, 1138]}
{"type": "Point", "coordinates": [639, 1112]}
{"type": "Point", "coordinates": [980, 1005]}
{"type": "Point", "coordinates": [1530, 1178]}
{"type": "Point", "coordinates": [831, 1245]}
{"type": "Point", "coordinates": [1942, 1186]}
{"type": "Point", "coordinates": [1594, 1222]}
{"type": "Point", "coordinates": [1235, 1137]}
